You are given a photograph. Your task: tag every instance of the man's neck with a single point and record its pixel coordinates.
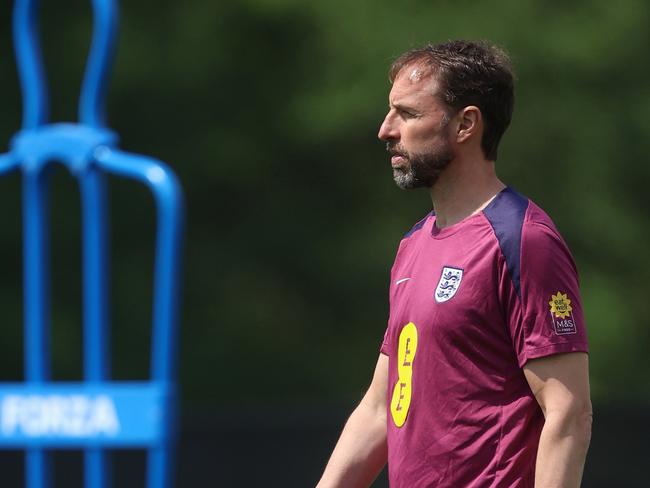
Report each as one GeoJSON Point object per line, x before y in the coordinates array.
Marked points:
{"type": "Point", "coordinates": [464, 190]}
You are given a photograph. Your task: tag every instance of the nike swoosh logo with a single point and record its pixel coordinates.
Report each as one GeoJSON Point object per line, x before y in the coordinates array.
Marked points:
{"type": "Point", "coordinates": [401, 281]}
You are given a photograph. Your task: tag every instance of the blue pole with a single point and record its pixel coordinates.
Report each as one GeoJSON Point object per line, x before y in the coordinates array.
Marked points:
{"type": "Point", "coordinates": [87, 150]}
{"type": "Point", "coordinates": [93, 91]}
{"type": "Point", "coordinates": [169, 204]}
{"type": "Point", "coordinates": [36, 302]}
{"type": "Point", "coordinates": [28, 61]}
{"type": "Point", "coordinates": [95, 305]}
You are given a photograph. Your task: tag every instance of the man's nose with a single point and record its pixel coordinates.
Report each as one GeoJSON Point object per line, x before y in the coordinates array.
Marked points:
{"type": "Point", "coordinates": [388, 130]}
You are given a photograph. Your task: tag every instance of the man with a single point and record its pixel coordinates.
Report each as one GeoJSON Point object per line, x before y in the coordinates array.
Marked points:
{"type": "Point", "coordinates": [482, 380]}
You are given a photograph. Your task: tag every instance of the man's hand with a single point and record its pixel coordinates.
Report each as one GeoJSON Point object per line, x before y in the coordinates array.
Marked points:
{"type": "Point", "coordinates": [561, 385]}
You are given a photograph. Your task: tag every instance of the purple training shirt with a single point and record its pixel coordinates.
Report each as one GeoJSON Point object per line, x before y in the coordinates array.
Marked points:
{"type": "Point", "coordinates": [469, 305]}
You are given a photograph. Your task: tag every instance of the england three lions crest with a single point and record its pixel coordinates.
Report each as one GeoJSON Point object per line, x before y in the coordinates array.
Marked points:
{"type": "Point", "coordinates": [449, 283]}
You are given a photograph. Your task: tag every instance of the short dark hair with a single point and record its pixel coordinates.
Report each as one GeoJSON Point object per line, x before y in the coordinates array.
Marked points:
{"type": "Point", "coordinates": [469, 73]}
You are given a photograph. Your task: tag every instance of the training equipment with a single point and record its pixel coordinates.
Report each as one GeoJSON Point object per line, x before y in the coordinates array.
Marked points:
{"type": "Point", "coordinates": [97, 413]}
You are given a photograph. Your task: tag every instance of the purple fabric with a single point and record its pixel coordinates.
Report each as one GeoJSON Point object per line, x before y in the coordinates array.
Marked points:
{"type": "Point", "coordinates": [506, 215]}
{"type": "Point", "coordinates": [460, 412]}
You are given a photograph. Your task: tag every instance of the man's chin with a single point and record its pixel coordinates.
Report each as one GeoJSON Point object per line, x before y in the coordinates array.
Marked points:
{"type": "Point", "coordinates": [404, 180]}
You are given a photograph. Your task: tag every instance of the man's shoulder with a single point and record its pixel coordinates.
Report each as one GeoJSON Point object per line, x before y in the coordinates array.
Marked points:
{"type": "Point", "coordinates": [506, 214]}
{"type": "Point", "coordinates": [511, 212]}
{"type": "Point", "coordinates": [523, 230]}
{"type": "Point", "coordinates": [538, 218]}
{"type": "Point", "coordinates": [519, 223]}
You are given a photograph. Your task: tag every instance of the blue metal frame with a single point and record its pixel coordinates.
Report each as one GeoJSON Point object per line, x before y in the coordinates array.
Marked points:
{"type": "Point", "coordinates": [97, 413]}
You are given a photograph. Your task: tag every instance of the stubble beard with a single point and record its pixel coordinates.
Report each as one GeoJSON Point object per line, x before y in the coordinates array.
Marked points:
{"type": "Point", "coordinates": [421, 169]}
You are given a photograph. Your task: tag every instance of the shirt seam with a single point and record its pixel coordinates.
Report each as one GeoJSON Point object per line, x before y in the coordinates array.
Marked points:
{"type": "Point", "coordinates": [497, 466]}
{"type": "Point", "coordinates": [552, 349]}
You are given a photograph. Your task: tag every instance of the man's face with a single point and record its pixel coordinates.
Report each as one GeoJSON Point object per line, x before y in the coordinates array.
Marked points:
{"type": "Point", "coordinates": [416, 130]}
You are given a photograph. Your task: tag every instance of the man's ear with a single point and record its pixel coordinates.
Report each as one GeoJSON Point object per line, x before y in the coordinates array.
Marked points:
{"type": "Point", "coordinates": [469, 123]}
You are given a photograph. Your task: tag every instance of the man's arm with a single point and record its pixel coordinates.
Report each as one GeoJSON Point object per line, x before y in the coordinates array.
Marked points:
{"type": "Point", "coordinates": [561, 385]}
{"type": "Point", "coordinates": [361, 451]}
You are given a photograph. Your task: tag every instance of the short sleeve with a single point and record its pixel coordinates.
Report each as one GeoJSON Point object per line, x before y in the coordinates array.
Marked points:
{"type": "Point", "coordinates": [385, 344]}
{"type": "Point", "coordinates": [545, 317]}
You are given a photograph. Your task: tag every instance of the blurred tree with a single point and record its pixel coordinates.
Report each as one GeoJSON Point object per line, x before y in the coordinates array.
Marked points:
{"type": "Point", "coordinates": [268, 109]}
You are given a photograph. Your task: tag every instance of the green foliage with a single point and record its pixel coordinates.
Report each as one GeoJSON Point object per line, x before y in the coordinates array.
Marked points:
{"type": "Point", "coordinates": [268, 110]}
